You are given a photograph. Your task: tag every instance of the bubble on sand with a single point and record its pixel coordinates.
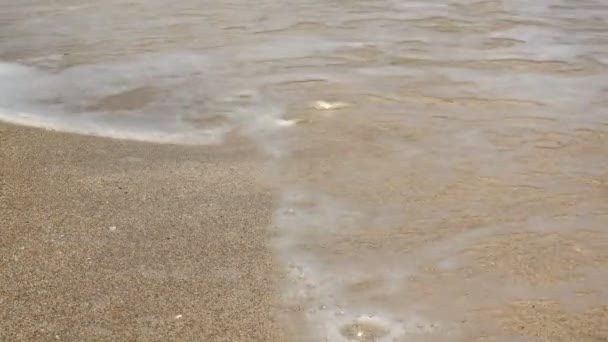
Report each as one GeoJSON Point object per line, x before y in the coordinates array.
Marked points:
{"type": "Point", "coordinates": [365, 329]}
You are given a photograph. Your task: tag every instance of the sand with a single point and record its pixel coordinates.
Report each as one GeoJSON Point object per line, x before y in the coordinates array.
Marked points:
{"type": "Point", "coordinates": [107, 240]}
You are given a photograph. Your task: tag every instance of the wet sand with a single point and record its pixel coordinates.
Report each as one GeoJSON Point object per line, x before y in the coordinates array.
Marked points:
{"type": "Point", "coordinates": [420, 241]}
{"type": "Point", "coordinates": [120, 241]}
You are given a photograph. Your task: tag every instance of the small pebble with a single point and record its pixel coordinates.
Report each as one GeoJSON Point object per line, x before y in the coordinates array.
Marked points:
{"type": "Point", "coordinates": [178, 316]}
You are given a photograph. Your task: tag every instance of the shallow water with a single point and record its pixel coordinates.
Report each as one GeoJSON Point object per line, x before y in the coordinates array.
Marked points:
{"type": "Point", "coordinates": [463, 169]}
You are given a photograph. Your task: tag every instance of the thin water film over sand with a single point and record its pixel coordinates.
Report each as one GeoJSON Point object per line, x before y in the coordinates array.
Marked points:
{"type": "Point", "coordinates": [440, 167]}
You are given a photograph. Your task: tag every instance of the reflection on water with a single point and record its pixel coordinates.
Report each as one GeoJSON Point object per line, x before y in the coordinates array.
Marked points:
{"type": "Point", "coordinates": [462, 172]}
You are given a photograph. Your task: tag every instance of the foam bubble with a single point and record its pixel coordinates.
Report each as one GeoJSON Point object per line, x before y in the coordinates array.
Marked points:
{"type": "Point", "coordinates": [366, 328]}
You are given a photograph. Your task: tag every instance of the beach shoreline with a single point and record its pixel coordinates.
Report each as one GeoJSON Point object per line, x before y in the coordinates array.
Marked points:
{"type": "Point", "coordinates": [319, 171]}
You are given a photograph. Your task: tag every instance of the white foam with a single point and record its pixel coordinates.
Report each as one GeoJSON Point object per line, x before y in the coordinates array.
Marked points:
{"type": "Point", "coordinates": [65, 101]}
{"type": "Point", "coordinates": [82, 125]}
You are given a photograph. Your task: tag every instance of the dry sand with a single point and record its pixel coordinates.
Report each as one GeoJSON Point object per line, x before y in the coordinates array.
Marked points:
{"type": "Point", "coordinates": [120, 241]}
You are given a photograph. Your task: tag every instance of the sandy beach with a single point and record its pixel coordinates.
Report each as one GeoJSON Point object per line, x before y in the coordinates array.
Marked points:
{"type": "Point", "coordinates": [106, 240]}
{"type": "Point", "coordinates": [306, 171]}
